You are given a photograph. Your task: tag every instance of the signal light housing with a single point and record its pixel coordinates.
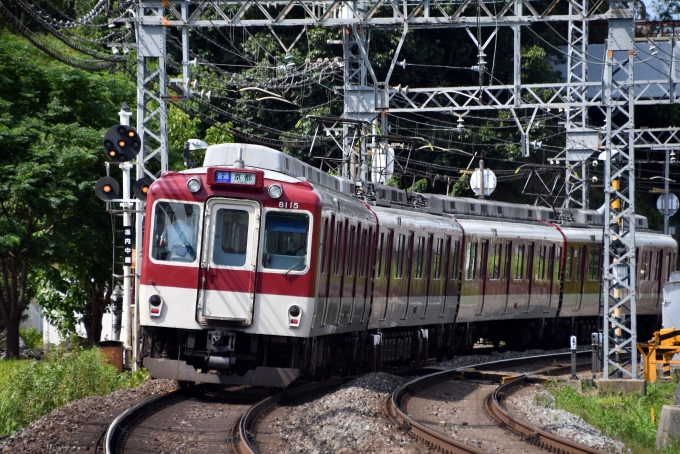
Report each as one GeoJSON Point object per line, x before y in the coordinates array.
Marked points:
{"type": "Point", "coordinates": [141, 188]}
{"type": "Point", "coordinates": [107, 188]}
{"type": "Point", "coordinates": [121, 143]}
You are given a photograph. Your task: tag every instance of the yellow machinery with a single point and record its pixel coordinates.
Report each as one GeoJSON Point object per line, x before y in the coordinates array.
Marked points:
{"type": "Point", "coordinates": [667, 342]}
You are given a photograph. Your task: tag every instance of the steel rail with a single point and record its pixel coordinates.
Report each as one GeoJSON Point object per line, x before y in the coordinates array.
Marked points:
{"type": "Point", "coordinates": [118, 430]}
{"type": "Point", "coordinates": [445, 444]}
{"type": "Point", "coordinates": [495, 405]}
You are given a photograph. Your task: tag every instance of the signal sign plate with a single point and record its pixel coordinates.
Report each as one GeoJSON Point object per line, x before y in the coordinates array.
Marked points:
{"type": "Point", "coordinates": [668, 200]}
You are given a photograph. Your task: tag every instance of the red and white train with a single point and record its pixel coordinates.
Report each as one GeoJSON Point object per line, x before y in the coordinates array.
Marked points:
{"type": "Point", "coordinates": [258, 269]}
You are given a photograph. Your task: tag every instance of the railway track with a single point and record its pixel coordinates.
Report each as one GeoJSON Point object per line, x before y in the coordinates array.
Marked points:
{"type": "Point", "coordinates": [141, 428]}
{"type": "Point", "coordinates": [482, 393]}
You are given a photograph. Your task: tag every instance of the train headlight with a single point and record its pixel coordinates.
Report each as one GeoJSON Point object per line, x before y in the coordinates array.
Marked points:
{"type": "Point", "coordinates": [294, 316]}
{"type": "Point", "coordinates": [275, 191]}
{"type": "Point", "coordinates": [155, 305]}
{"type": "Point", "coordinates": [194, 185]}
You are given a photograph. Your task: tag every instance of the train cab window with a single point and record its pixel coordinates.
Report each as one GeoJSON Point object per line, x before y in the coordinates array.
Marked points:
{"type": "Point", "coordinates": [645, 268]}
{"type": "Point", "coordinates": [437, 265]}
{"type": "Point", "coordinates": [420, 253]}
{"type": "Point", "coordinates": [285, 241]}
{"type": "Point", "coordinates": [470, 261]}
{"type": "Point", "coordinates": [379, 258]}
{"type": "Point", "coordinates": [455, 256]}
{"type": "Point", "coordinates": [350, 250]}
{"type": "Point", "coordinates": [231, 237]}
{"type": "Point", "coordinates": [496, 260]}
{"type": "Point", "coordinates": [567, 264]}
{"type": "Point", "coordinates": [594, 265]}
{"type": "Point", "coordinates": [175, 234]}
{"type": "Point", "coordinates": [399, 264]}
{"type": "Point", "coordinates": [518, 262]}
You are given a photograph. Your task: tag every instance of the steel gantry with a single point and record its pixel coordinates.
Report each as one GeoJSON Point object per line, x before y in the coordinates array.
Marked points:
{"type": "Point", "coordinates": [368, 100]}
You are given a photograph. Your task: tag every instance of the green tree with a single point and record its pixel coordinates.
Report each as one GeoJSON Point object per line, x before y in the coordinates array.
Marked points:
{"type": "Point", "coordinates": [52, 122]}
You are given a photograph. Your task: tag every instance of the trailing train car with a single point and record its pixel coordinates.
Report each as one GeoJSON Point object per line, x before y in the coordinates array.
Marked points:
{"type": "Point", "coordinates": [258, 269]}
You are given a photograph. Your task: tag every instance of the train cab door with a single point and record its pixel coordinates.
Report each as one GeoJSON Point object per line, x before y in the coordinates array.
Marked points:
{"type": "Point", "coordinates": [229, 260]}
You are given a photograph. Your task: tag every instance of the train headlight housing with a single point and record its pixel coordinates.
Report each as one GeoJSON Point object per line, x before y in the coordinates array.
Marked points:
{"type": "Point", "coordinates": [155, 305]}
{"type": "Point", "coordinates": [275, 191]}
{"type": "Point", "coordinates": [194, 185]}
{"type": "Point", "coordinates": [294, 316]}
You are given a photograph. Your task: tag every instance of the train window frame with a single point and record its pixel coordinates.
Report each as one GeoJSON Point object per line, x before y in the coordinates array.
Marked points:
{"type": "Point", "coordinates": [199, 234]}
{"type": "Point", "coordinates": [361, 267]}
{"type": "Point", "coordinates": [579, 263]}
{"type": "Point", "coordinates": [540, 263]}
{"type": "Point", "coordinates": [379, 255]}
{"type": "Point", "coordinates": [518, 262]}
{"type": "Point", "coordinates": [594, 264]}
{"type": "Point", "coordinates": [437, 259]}
{"type": "Point", "coordinates": [455, 260]}
{"type": "Point", "coordinates": [399, 247]}
{"type": "Point", "coordinates": [530, 259]}
{"type": "Point", "coordinates": [507, 264]}
{"type": "Point", "coordinates": [337, 244]}
{"type": "Point", "coordinates": [659, 264]}
{"type": "Point", "coordinates": [419, 256]}
{"type": "Point", "coordinates": [567, 264]}
{"type": "Point", "coordinates": [496, 253]}
{"type": "Point", "coordinates": [470, 260]}
{"type": "Point", "coordinates": [645, 268]}
{"type": "Point", "coordinates": [558, 264]}
{"type": "Point", "coordinates": [261, 246]}
{"type": "Point", "coordinates": [350, 251]}
{"type": "Point", "coordinates": [322, 246]}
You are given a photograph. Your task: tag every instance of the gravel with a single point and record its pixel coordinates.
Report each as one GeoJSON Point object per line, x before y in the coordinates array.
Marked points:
{"type": "Point", "coordinates": [349, 420]}
{"type": "Point", "coordinates": [559, 422]}
{"type": "Point", "coordinates": [74, 426]}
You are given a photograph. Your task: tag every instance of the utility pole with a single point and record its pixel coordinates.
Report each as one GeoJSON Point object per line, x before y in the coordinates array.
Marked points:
{"type": "Point", "coordinates": [127, 328]}
{"type": "Point", "coordinates": [666, 198]}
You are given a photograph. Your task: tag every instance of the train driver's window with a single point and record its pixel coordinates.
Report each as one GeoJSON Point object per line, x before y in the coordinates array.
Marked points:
{"type": "Point", "coordinates": [231, 237]}
{"type": "Point", "coordinates": [285, 241]}
{"type": "Point", "coordinates": [470, 260]}
{"type": "Point", "coordinates": [175, 235]}
{"type": "Point", "coordinates": [518, 262]}
{"type": "Point", "coordinates": [594, 265]}
{"type": "Point", "coordinates": [496, 260]}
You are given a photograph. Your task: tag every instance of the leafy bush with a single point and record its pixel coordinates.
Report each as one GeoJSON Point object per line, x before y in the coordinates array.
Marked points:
{"type": "Point", "coordinates": [32, 337]}
{"type": "Point", "coordinates": [39, 387]}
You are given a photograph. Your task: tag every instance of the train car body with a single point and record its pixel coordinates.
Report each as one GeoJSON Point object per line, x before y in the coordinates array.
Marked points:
{"type": "Point", "coordinates": [258, 269]}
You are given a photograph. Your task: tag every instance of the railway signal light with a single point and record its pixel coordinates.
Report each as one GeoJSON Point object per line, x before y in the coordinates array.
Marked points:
{"type": "Point", "coordinates": [121, 143]}
{"type": "Point", "coordinates": [106, 188]}
{"type": "Point", "coordinates": [141, 188]}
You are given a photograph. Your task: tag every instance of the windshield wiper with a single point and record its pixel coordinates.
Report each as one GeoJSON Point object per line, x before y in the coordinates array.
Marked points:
{"type": "Point", "coordinates": [296, 264]}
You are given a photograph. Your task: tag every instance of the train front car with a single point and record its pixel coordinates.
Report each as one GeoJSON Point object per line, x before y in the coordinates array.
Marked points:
{"type": "Point", "coordinates": [228, 281]}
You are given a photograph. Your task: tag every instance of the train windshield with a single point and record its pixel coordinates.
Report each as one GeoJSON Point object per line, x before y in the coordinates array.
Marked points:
{"type": "Point", "coordinates": [175, 234]}
{"type": "Point", "coordinates": [285, 241]}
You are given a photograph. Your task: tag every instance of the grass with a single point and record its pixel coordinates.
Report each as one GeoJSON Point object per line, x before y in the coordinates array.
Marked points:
{"type": "Point", "coordinates": [624, 417]}
{"type": "Point", "coordinates": [32, 388]}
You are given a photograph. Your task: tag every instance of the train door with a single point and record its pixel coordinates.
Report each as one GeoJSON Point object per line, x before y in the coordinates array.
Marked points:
{"type": "Point", "coordinates": [483, 260]}
{"type": "Point", "coordinates": [229, 260]}
{"type": "Point", "coordinates": [336, 273]}
{"type": "Point", "coordinates": [327, 257]}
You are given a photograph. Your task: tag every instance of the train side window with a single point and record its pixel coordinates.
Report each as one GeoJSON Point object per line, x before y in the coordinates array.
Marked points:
{"type": "Point", "coordinates": [508, 256]}
{"type": "Point", "coordinates": [540, 264]}
{"type": "Point", "coordinates": [350, 250]}
{"type": "Point", "coordinates": [529, 262]}
{"type": "Point", "coordinates": [388, 255]}
{"type": "Point", "coordinates": [496, 260]}
{"type": "Point", "coordinates": [322, 253]}
{"type": "Point", "coordinates": [567, 265]}
{"type": "Point", "coordinates": [362, 255]}
{"type": "Point", "coordinates": [579, 264]}
{"type": "Point", "coordinates": [336, 248]}
{"type": "Point", "coordinates": [470, 260]}
{"type": "Point", "coordinates": [558, 263]}
{"type": "Point", "coordinates": [455, 256]}
{"type": "Point", "coordinates": [668, 266]}
{"type": "Point", "coordinates": [644, 269]}
{"type": "Point", "coordinates": [657, 270]}
{"type": "Point", "coordinates": [399, 262]}
{"type": "Point", "coordinates": [594, 264]}
{"type": "Point", "coordinates": [285, 241]}
{"type": "Point", "coordinates": [518, 262]}
{"type": "Point", "coordinates": [379, 257]}
{"type": "Point", "coordinates": [420, 253]}
{"type": "Point", "coordinates": [437, 268]}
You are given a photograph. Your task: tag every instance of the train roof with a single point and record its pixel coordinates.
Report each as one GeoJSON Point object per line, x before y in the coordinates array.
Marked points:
{"type": "Point", "coordinates": [269, 159]}
{"type": "Point", "coordinates": [392, 218]}
{"type": "Point", "coordinates": [510, 230]}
